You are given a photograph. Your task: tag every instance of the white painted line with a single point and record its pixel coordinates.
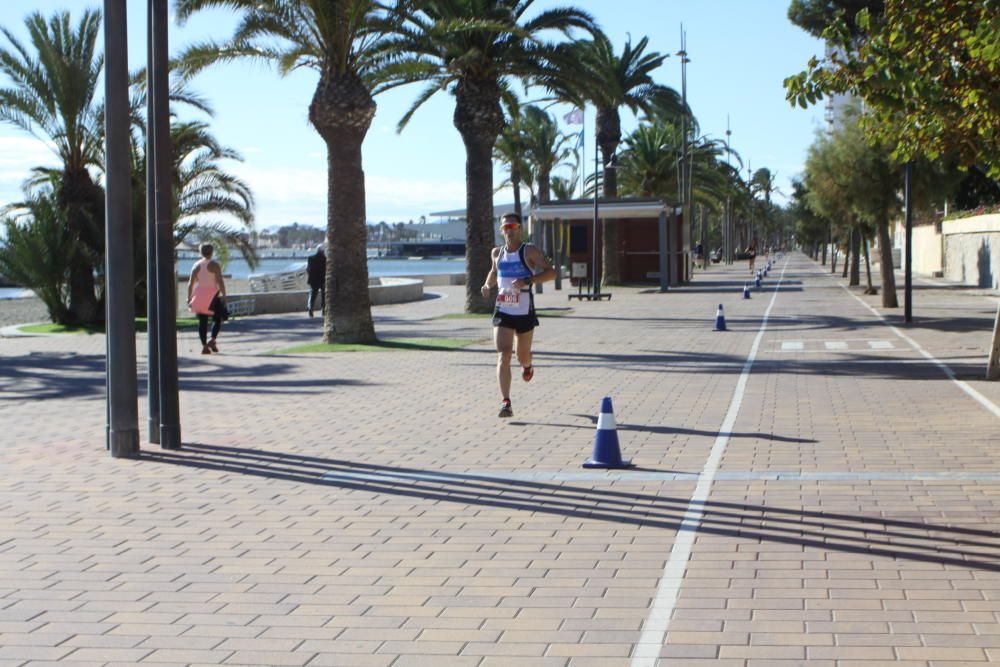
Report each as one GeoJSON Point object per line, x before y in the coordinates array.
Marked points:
{"type": "Point", "coordinates": [791, 345]}
{"type": "Point", "coordinates": [657, 622]}
{"type": "Point", "coordinates": [881, 345]}
{"type": "Point", "coordinates": [835, 345]}
{"type": "Point", "coordinates": [964, 386]}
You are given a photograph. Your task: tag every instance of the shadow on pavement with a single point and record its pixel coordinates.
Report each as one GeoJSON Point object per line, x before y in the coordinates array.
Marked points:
{"type": "Point", "coordinates": [47, 376]}
{"type": "Point", "coordinates": [667, 430]}
{"type": "Point", "coordinates": [829, 531]}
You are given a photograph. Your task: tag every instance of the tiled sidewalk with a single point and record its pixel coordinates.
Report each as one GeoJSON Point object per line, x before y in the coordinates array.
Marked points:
{"type": "Point", "coordinates": [370, 509]}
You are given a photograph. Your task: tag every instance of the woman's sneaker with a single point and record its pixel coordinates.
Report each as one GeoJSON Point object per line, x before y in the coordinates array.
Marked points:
{"type": "Point", "coordinates": [505, 409]}
{"type": "Point", "coordinates": [213, 346]}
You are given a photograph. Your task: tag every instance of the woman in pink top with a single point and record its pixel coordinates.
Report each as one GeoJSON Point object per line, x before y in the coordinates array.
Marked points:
{"type": "Point", "coordinates": [206, 294]}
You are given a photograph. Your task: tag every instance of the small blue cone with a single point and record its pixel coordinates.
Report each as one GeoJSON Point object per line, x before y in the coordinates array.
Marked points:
{"type": "Point", "coordinates": [720, 320]}
{"type": "Point", "coordinates": [756, 282]}
{"type": "Point", "coordinates": [746, 290]}
{"type": "Point", "coordinates": [607, 453]}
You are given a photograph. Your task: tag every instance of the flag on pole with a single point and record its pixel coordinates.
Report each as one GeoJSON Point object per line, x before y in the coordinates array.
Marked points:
{"type": "Point", "coordinates": [574, 117]}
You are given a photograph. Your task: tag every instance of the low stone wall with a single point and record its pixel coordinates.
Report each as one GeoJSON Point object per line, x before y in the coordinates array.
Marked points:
{"type": "Point", "coordinates": [972, 250]}
{"type": "Point", "coordinates": [381, 291]}
{"type": "Point", "coordinates": [442, 279]}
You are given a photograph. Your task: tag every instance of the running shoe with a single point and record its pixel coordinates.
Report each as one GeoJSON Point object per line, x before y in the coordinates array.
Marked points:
{"type": "Point", "coordinates": [205, 349]}
{"type": "Point", "coordinates": [505, 409]}
{"type": "Point", "coordinates": [211, 344]}
{"type": "Point", "coordinates": [527, 373]}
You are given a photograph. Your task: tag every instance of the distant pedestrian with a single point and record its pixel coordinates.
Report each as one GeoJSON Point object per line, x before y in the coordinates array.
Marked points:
{"type": "Point", "coordinates": [516, 267]}
{"type": "Point", "coordinates": [752, 255]}
{"type": "Point", "coordinates": [316, 270]}
{"type": "Point", "coordinates": [207, 297]}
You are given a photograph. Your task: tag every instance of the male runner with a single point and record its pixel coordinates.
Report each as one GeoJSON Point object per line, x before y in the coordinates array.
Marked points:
{"type": "Point", "coordinates": [516, 267]}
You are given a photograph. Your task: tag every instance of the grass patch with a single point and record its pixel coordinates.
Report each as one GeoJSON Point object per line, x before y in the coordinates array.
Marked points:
{"type": "Point", "coordinates": [541, 312]}
{"type": "Point", "coordinates": [394, 344]}
{"type": "Point", "coordinates": [141, 325]}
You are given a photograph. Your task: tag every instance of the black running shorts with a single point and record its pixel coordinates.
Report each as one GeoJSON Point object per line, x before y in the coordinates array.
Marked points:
{"type": "Point", "coordinates": [519, 323]}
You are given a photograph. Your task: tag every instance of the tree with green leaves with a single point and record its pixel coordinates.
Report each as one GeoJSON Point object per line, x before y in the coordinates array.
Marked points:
{"type": "Point", "coordinates": [51, 94]}
{"type": "Point", "coordinates": [545, 145]}
{"type": "Point", "coordinates": [814, 16]}
{"type": "Point", "coordinates": [342, 41]}
{"type": "Point", "coordinates": [927, 71]}
{"type": "Point", "coordinates": [591, 72]}
{"type": "Point", "coordinates": [475, 49]}
{"type": "Point", "coordinates": [854, 182]}
{"type": "Point", "coordinates": [34, 250]}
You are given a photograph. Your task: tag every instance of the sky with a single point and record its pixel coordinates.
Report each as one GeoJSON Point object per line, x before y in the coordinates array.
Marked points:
{"type": "Point", "coordinates": [740, 52]}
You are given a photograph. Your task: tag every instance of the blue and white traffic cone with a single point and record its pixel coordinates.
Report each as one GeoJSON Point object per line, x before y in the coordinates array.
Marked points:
{"type": "Point", "coordinates": [720, 320]}
{"type": "Point", "coordinates": [607, 452]}
{"type": "Point", "coordinates": [746, 290]}
{"type": "Point", "coordinates": [756, 281]}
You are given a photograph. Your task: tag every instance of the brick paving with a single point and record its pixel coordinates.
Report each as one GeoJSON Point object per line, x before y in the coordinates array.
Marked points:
{"type": "Point", "coordinates": [370, 509]}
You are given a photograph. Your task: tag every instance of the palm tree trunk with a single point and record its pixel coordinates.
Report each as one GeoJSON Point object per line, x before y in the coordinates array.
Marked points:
{"type": "Point", "coordinates": [885, 254]}
{"type": "Point", "coordinates": [479, 233]}
{"type": "Point", "coordinates": [348, 316]}
{"type": "Point", "coordinates": [82, 201]}
{"type": "Point", "coordinates": [609, 135]}
{"type": "Point", "coordinates": [515, 183]}
{"type": "Point", "coordinates": [479, 120]}
{"type": "Point", "coordinates": [342, 110]}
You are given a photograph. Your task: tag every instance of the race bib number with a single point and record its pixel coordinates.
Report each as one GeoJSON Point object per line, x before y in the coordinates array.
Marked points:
{"type": "Point", "coordinates": [509, 298]}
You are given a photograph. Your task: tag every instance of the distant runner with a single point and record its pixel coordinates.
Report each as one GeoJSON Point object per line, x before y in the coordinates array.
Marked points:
{"type": "Point", "coordinates": [516, 267]}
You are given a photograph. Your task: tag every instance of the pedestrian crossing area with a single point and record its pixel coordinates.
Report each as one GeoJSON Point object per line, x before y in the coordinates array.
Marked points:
{"type": "Point", "coordinates": [850, 345]}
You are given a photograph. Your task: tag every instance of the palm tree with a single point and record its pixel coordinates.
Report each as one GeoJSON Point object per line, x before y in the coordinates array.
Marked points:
{"type": "Point", "coordinates": [34, 250]}
{"type": "Point", "coordinates": [52, 96]}
{"type": "Point", "coordinates": [591, 72]}
{"type": "Point", "coordinates": [204, 190]}
{"type": "Point", "coordinates": [545, 147]}
{"type": "Point", "coordinates": [509, 150]}
{"type": "Point", "coordinates": [341, 40]}
{"type": "Point", "coordinates": [475, 49]}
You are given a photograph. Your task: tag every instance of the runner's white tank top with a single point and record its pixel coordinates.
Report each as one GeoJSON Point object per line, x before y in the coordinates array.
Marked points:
{"type": "Point", "coordinates": [510, 267]}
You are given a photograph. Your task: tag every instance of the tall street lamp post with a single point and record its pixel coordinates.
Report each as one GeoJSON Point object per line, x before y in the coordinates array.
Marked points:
{"type": "Point", "coordinates": [122, 398]}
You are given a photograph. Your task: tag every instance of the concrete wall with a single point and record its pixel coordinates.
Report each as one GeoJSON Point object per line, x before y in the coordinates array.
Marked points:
{"type": "Point", "coordinates": [381, 291]}
{"type": "Point", "coordinates": [972, 250]}
{"type": "Point", "coordinates": [928, 255]}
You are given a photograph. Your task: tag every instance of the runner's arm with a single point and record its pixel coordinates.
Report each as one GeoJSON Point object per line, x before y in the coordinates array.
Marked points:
{"type": "Point", "coordinates": [491, 277]}
{"type": "Point", "coordinates": [191, 283]}
{"type": "Point", "coordinates": [538, 263]}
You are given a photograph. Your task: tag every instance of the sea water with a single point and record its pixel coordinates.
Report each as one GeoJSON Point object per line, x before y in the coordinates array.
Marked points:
{"type": "Point", "coordinates": [238, 269]}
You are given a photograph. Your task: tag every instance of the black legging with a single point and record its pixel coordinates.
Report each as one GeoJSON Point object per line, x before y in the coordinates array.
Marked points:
{"type": "Point", "coordinates": [216, 307]}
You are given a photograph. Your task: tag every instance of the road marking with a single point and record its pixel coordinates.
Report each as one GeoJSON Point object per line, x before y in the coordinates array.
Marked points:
{"type": "Point", "coordinates": [881, 344]}
{"type": "Point", "coordinates": [990, 406]}
{"type": "Point", "coordinates": [791, 345]}
{"type": "Point", "coordinates": [835, 345]}
{"type": "Point", "coordinates": [657, 622]}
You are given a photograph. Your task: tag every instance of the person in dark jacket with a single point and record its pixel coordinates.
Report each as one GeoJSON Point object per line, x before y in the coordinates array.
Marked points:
{"type": "Point", "coordinates": [316, 272]}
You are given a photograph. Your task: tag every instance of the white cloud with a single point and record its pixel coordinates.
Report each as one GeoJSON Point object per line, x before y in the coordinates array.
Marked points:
{"type": "Point", "coordinates": [18, 155]}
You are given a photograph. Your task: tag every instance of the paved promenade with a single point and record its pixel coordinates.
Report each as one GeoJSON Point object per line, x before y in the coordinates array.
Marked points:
{"type": "Point", "coordinates": [812, 487]}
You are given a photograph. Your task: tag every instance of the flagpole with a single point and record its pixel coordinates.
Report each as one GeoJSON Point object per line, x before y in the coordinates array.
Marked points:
{"type": "Point", "coordinates": [583, 142]}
